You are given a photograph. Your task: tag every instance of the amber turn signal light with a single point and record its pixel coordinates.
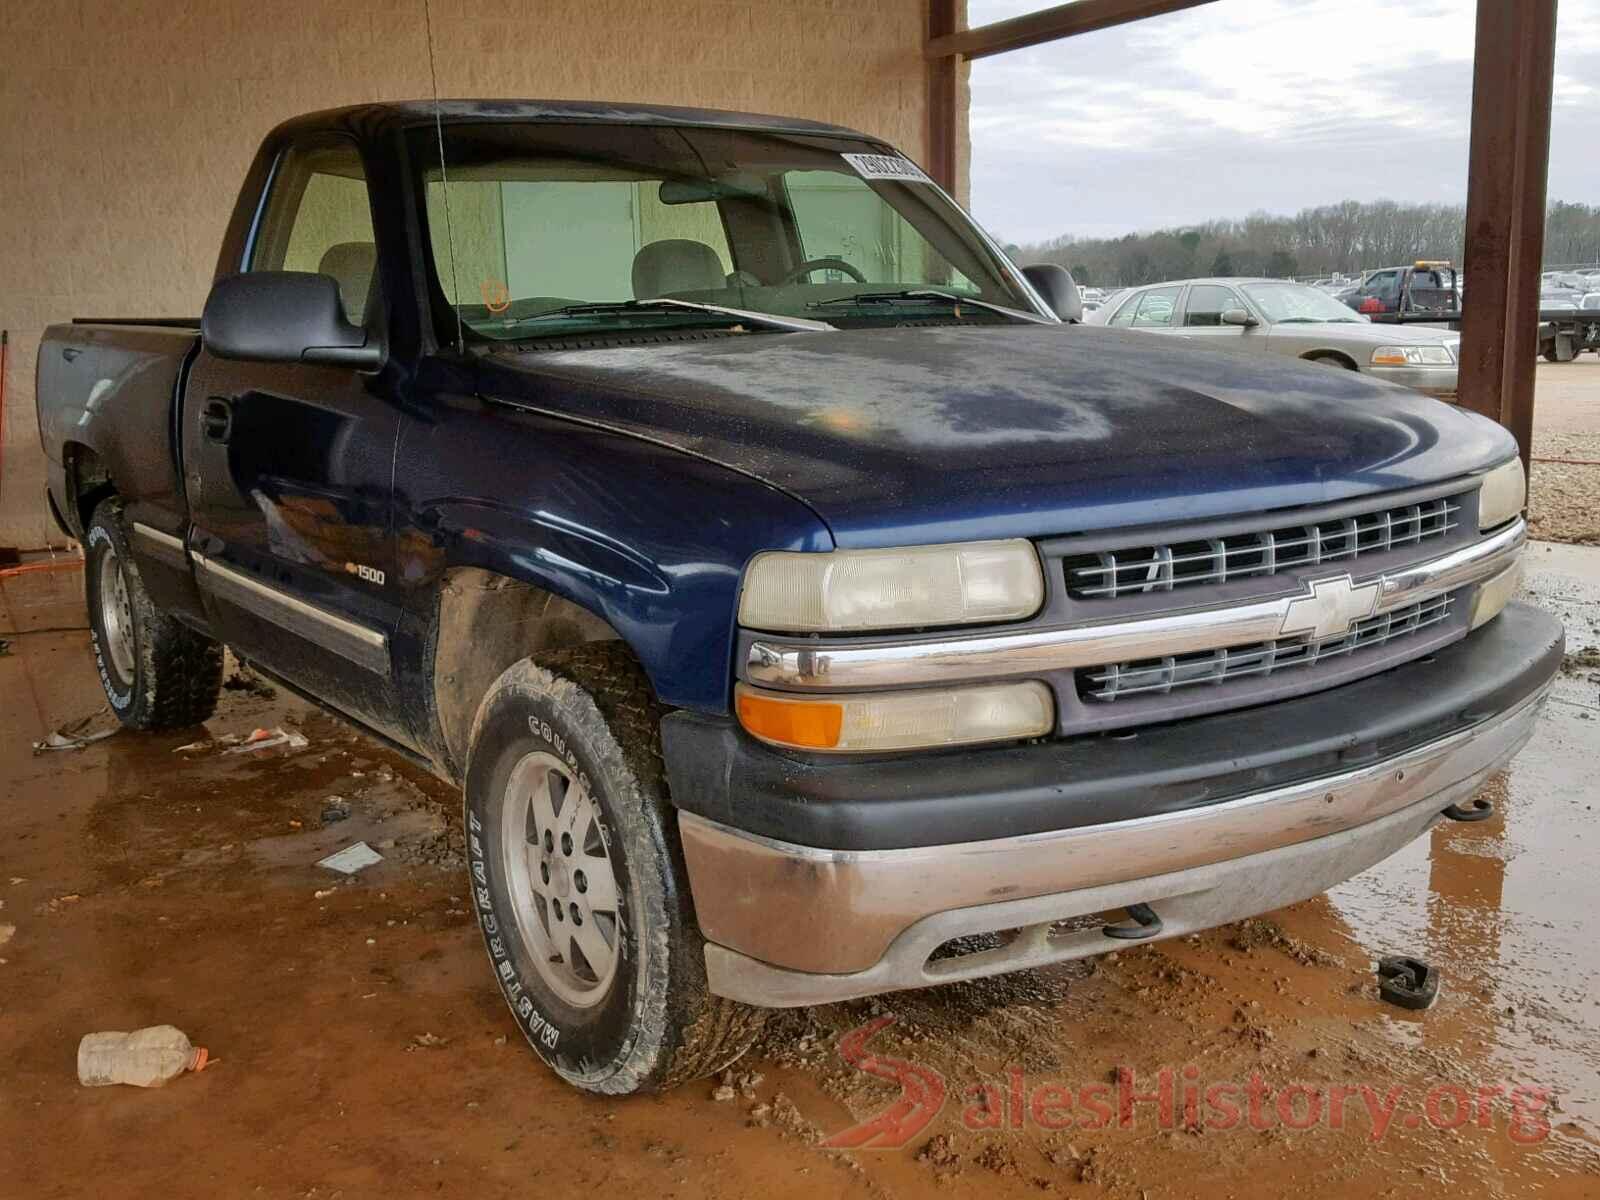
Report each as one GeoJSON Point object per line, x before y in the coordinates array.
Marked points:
{"type": "Point", "coordinates": [813, 724]}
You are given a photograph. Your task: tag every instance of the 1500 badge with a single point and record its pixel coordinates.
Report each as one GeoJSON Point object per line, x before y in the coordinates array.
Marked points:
{"type": "Point", "coordinates": [370, 574]}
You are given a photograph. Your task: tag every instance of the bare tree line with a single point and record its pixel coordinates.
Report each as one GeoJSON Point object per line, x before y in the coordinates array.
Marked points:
{"type": "Point", "coordinates": [1347, 237]}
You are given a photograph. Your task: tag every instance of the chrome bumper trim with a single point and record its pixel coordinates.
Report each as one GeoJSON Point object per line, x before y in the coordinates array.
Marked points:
{"type": "Point", "coordinates": [814, 910]}
{"type": "Point", "coordinates": [814, 666]}
{"type": "Point", "coordinates": [1187, 901]}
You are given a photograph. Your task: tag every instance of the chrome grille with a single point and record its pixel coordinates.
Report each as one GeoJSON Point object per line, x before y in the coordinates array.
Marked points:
{"type": "Point", "coordinates": [1162, 568]}
{"type": "Point", "coordinates": [1119, 680]}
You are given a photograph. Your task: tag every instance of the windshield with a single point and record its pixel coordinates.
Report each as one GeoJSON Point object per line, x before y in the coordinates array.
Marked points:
{"type": "Point", "coordinates": [584, 228]}
{"type": "Point", "coordinates": [1281, 302]}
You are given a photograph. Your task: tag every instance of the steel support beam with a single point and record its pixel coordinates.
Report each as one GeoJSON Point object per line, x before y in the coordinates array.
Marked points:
{"type": "Point", "coordinates": [942, 99]}
{"type": "Point", "coordinates": [1513, 70]}
{"type": "Point", "coordinates": [1064, 20]}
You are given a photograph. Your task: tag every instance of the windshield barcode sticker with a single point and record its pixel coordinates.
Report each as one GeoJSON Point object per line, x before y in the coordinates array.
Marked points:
{"type": "Point", "coordinates": [886, 166]}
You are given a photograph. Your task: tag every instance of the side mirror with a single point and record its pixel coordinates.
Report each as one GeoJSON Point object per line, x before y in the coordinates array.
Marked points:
{"type": "Point", "coordinates": [1054, 284]}
{"type": "Point", "coordinates": [284, 316]}
{"type": "Point", "coordinates": [1239, 317]}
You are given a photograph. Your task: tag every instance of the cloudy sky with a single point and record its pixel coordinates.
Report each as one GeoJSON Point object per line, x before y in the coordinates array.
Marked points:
{"type": "Point", "coordinates": [1250, 104]}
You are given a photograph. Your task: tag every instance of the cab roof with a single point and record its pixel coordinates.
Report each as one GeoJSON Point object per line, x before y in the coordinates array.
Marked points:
{"type": "Point", "coordinates": [378, 118]}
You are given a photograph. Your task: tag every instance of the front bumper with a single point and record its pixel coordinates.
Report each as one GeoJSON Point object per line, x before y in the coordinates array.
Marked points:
{"type": "Point", "coordinates": [792, 923]}
{"type": "Point", "coordinates": [1432, 381]}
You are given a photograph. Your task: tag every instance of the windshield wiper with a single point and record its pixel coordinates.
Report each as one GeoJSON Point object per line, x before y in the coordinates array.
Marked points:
{"type": "Point", "coordinates": [666, 305]}
{"type": "Point", "coordinates": [917, 295]}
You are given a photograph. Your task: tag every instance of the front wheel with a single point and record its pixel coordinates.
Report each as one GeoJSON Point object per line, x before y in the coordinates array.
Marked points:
{"type": "Point", "coordinates": [578, 879]}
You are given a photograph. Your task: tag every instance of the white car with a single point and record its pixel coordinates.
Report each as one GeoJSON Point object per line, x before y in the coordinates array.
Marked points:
{"type": "Point", "coordinates": [1274, 316]}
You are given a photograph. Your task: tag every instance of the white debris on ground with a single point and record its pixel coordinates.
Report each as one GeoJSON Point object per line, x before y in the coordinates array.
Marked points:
{"type": "Point", "coordinates": [356, 857]}
{"type": "Point", "coordinates": [266, 739]}
{"type": "Point", "coordinates": [74, 736]}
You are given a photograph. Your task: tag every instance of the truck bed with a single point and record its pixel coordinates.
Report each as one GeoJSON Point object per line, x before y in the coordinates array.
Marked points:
{"type": "Point", "coordinates": [107, 394]}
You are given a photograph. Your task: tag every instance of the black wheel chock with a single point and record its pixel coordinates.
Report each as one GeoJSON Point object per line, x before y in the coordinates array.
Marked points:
{"type": "Point", "coordinates": [1147, 924]}
{"type": "Point", "coordinates": [1407, 982]}
{"type": "Point", "coordinates": [1481, 809]}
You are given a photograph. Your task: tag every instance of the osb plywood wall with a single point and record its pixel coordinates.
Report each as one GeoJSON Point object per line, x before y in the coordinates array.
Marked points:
{"type": "Point", "coordinates": [125, 127]}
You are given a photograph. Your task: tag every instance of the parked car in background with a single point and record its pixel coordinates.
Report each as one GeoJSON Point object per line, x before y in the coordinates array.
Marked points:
{"type": "Point", "coordinates": [1275, 317]}
{"type": "Point", "coordinates": [1558, 297]}
{"type": "Point", "coordinates": [1569, 315]}
{"type": "Point", "coordinates": [1423, 287]}
{"type": "Point", "coordinates": [1576, 281]}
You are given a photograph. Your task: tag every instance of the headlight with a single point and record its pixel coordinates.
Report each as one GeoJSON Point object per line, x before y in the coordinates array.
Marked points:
{"type": "Point", "coordinates": [1411, 356]}
{"type": "Point", "coordinates": [854, 590]}
{"type": "Point", "coordinates": [1495, 594]}
{"type": "Point", "coordinates": [1503, 494]}
{"type": "Point", "coordinates": [898, 720]}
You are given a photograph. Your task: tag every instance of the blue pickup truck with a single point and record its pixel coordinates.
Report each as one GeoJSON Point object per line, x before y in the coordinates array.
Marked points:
{"type": "Point", "coordinates": [806, 604]}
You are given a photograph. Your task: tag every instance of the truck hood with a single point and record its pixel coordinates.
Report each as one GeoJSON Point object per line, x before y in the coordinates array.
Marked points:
{"type": "Point", "coordinates": [915, 435]}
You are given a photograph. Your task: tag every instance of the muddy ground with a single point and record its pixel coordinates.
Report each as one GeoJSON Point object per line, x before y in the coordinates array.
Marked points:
{"type": "Point", "coordinates": [361, 1048]}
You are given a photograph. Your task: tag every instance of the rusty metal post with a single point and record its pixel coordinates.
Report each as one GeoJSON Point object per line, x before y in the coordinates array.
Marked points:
{"type": "Point", "coordinates": [942, 122]}
{"type": "Point", "coordinates": [1490, 201]}
{"type": "Point", "coordinates": [1536, 43]}
{"type": "Point", "coordinates": [1513, 67]}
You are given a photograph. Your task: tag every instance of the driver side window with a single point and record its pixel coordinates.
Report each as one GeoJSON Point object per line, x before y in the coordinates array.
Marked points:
{"type": "Point", "coordinates": [318, 219]}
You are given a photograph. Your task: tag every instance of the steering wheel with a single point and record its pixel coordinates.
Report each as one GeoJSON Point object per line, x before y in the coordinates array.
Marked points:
{"type": "Point", "coordinates": [821, 264]}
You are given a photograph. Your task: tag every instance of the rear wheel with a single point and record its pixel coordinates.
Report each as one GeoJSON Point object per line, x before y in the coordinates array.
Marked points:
{"type": "Point", "coordinates": [578, 878]}
{"type": "Point", "coordinates": [156, 672]}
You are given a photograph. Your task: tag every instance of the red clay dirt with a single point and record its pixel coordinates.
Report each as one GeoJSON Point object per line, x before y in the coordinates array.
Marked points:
{"type": "Point", "coordinates": [361, 1049]}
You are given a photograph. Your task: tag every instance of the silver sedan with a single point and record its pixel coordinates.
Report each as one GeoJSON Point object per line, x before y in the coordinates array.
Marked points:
{"type": "Point", "coordinates": [1278, 317]}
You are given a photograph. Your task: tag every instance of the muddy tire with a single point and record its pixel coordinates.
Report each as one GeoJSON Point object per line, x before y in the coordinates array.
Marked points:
{"type": "Point", "coordinates": [578, 879]}
{"type": "Point", "coordinates": [156, 672]}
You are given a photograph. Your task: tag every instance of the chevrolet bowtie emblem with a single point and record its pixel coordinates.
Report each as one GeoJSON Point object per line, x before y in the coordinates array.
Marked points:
{"type": "Point", "coordinates": [1333, 606]}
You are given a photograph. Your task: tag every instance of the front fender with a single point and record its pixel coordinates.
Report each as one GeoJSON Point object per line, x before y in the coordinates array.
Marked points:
{"type": "Point", "coordinates": [647, 538]}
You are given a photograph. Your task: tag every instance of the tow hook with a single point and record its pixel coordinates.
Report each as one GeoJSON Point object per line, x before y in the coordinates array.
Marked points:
{"type": "Point", "coordinates": [1481, 809]}
{"type": "Point", "coordinates": [1407, 982]}
{"type": "Point", "coordinates": [1148, 924]}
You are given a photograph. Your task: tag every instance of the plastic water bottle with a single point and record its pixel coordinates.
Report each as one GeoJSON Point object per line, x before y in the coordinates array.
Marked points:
{"type": "Point", "coordinates": [144, 1058]}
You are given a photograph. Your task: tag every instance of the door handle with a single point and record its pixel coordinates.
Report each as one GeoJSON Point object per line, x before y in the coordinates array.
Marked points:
{"type": "Point", "coordinates": [70, 353]}
{"type": "Point", "coordinates": [216, 419]}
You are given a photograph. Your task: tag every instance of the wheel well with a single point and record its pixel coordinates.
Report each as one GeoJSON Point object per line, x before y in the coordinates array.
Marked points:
{"type": "Point", "coordinates": [88, 482]}
{"type": "Point", "coordinates": [1331, 356]}
{"type": "Point", "coordinates": [486, 623]}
